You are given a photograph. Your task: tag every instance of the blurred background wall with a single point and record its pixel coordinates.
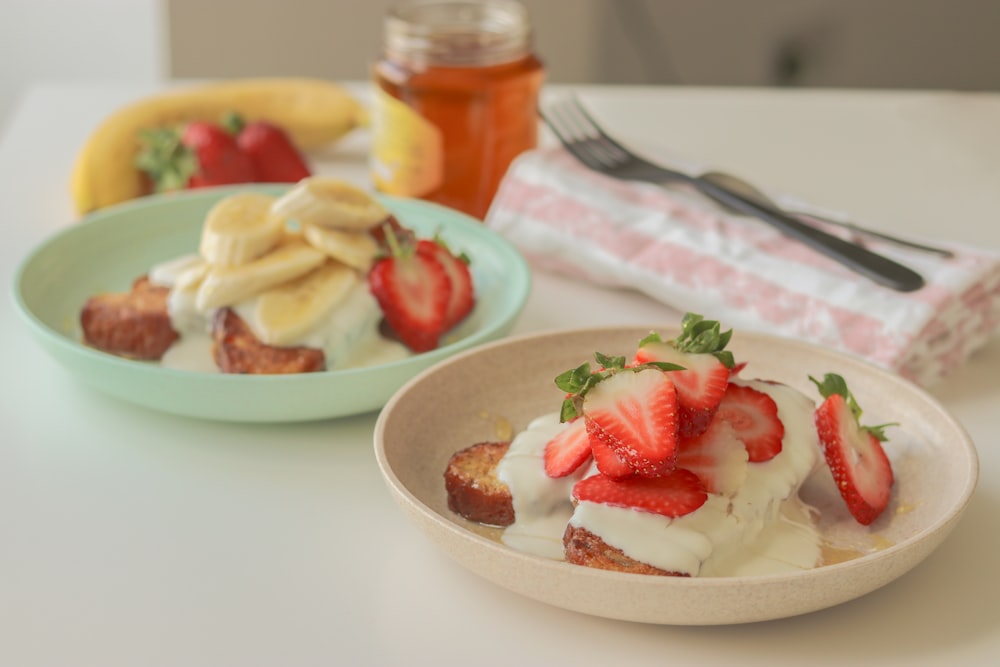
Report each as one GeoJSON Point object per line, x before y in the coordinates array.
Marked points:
{"type": "Point", "coordinates": [953, 44]}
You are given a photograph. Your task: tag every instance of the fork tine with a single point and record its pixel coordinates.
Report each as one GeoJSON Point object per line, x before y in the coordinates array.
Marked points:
{"type": "Point", "coordinates": [569, 136]}
{"type": "Point", "coordinates": [583, 137]}
{"type": "Point", "coordinates": [595, 127]}
{"type": "Point", "coordinates": [613, 154]}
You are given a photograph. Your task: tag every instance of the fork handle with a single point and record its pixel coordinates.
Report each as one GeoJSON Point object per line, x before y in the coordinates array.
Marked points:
{"type": "Point", "coordinates": [878, 268]}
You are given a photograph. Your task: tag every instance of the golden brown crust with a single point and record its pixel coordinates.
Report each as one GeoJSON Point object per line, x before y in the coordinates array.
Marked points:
{"type": "Point", "coordinates": [585, 548]}
{"type": "Point", "coordinates": [474, 491]}
{"type": "Point", "coordinates": [237, 350]}
{"type": "Point", "coordinates": [133, 324]}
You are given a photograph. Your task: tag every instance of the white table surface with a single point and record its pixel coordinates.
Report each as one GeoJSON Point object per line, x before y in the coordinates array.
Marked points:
{"type": "Point", "coordinates": [129, 537]}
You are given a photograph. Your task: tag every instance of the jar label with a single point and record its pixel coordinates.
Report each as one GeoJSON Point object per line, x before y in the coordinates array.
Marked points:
{"type": "Point", "coordinates": [407, 156]}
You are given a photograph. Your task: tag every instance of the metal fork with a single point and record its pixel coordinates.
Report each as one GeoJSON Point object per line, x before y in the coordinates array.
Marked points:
{"type": "Point", "coordinates": [581, 135]}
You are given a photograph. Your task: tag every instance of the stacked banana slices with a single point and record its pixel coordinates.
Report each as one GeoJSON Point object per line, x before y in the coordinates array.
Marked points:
{"type": "Point", "coordinates": [287, 262]}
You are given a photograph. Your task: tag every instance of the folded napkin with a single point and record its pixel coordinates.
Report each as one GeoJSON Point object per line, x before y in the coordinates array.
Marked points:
{"type": "Point", "coordinates": [679, 248]}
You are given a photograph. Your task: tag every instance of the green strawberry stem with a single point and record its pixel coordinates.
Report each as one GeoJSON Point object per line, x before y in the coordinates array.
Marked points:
{"type": "Point", "coordinates": [168, 162]}
{"type": "Point", "coordinates": [698, 336]}
{"type": "Point", "coordinates": [233, 123]}
{"type": "Point", "coordinates": [396, 248]}
{"type": "Point", "coordinates": [576, 382]}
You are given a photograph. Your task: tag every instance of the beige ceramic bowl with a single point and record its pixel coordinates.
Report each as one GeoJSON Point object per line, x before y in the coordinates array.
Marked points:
{"type": "Point", "coordinates": [479, 394]}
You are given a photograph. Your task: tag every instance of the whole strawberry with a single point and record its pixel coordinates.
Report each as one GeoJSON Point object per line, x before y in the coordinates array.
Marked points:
{"type": "Point", "coordinates": [274, 156]}
{"type": "Point", "coordinates": [198, 154]}
{"type": "Point", "coordinates": [853, 452]}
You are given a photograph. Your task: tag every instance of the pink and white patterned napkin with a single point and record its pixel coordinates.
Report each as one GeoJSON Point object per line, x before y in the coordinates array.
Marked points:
{"type": "Point", "coordinates": [680, 249]}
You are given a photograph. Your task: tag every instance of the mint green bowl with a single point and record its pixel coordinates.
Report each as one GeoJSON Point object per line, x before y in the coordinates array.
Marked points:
{"type": "Point", "coordinates": [111, 248]}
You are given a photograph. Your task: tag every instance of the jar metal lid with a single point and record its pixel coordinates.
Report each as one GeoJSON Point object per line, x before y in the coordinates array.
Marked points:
{"type": "Point", "coordinates": [457, 33]}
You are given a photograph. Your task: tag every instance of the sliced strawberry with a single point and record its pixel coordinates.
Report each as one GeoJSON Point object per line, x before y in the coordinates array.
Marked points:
{"type": "Point", "coordinates": [754, 416]}
{"type": "Point", "coordinates": [413, 291]}
{"type": "Point", "coordinates": [675, 494]}
{"type": "Point", "coordinates": [699, 387]}
{"type": "Point", "coordinates": [716, 456]}
{"type": "Point", "coordinates": [699, 349]}
{"type": "Point", "coordinates": [608, 462]}
{"type": "Point", "coordinates": [462, 293]}
{"type": "Point", "coordinates": [567, 450]}
{"type": "Point", "coordinates": [635, 413]}
{"type": "Point", "coordinates": [853, 452]}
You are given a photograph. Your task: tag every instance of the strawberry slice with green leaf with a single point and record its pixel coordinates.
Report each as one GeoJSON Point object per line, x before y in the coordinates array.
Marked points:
{"type": "Point", "coordinates": [413, 291]}
{"type": "Point", "coordinates": [567, 450]}
{"type": "Point", "coordinates": [672, 495]}
{"type": "Point", "coordinates": [630, 410]}
{"type": "Point", "coordinates": [705, 364]}
{"type": "Point", "coordinates": [754, 416]}
{"type": "Point", "coordinates": [853, 452]}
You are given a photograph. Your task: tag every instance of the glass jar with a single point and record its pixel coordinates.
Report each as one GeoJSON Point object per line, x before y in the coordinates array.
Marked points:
{"type": "Point", "coordinates": [455, 100]}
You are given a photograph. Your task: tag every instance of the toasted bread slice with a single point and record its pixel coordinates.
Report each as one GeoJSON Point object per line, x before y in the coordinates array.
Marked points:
{"type": "Point", "coordinates": [133, 324]}
{"type": "Point", "coordinates": [585, 548]}
{"type": "Point", "coordinates": [474, 491]}
{"type": "Point", "coordinates": [237, 350]}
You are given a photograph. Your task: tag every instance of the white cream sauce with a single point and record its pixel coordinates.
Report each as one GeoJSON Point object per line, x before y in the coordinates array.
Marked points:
{"type": "Point", "coordinates": [761, 528]}
{"type": "Point", "coordinates": [349, 338]}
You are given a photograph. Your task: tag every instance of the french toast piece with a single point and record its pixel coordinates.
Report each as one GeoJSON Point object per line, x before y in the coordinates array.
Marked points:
{"type": "Point", "coordinates": [585, 548]}
{"type": "Point", "coordinates": [133, 324]}
{"type": "Point", "coordinates": [237, 350]}
{"type": "Point", "coordinates": [474, 491]}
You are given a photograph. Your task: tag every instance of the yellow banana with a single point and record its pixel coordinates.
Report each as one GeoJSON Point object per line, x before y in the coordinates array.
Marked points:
{"type": "Point", "coordinates": [314, 112]}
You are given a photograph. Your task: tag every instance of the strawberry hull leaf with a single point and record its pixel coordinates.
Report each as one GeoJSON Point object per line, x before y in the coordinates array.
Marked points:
{"type": "Point", "coordinates": [577, 382]}
{"type": "Point", "coordinates": [833, 384]}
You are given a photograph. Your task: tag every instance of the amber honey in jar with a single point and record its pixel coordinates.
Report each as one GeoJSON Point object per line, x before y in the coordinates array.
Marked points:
{"type": "Point", "coordinates": [455, 100]}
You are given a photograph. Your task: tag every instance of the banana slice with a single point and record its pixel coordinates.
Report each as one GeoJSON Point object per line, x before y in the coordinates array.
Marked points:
{"type": "Point", "coordinates": [228, 285]}
{"type": "Point", "coordinates": [356, 249]}
{"type": "Point", "coordinates": [168, 273]}
{"type": "Point", "coordinates": [239, 229]}
{"type": "Point", "coordinates": [328, 202]}
{"type": "Point", "coordinates": [285, 314]}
